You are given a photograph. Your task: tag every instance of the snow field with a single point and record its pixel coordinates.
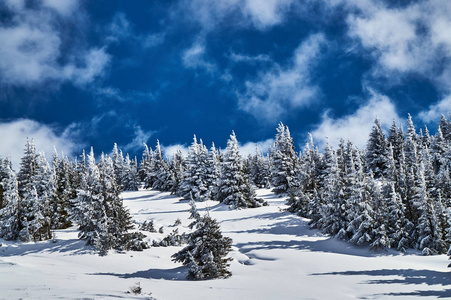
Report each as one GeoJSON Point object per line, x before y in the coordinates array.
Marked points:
{"type": "Point", "coordinates": [276, 256]}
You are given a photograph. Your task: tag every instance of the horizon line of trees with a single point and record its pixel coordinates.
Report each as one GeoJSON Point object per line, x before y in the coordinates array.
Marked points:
{"type": "Point", "coordinates": [395, 193]}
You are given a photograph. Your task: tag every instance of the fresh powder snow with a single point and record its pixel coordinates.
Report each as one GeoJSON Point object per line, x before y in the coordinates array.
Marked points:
{"type": "Point", "coordinates": [275, 256]}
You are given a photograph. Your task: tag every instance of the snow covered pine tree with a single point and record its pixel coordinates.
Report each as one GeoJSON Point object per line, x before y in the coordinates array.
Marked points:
{"type": "Point", "coordinates": [205, 255]}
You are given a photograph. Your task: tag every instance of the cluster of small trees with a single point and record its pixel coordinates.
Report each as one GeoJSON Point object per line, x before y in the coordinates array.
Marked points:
{"type": "Point", "coordinates": [203, 174]}
{"type": "Point", "coordinates": [44, 197]}
{"type": "Point", "coordinates": [396, 193]}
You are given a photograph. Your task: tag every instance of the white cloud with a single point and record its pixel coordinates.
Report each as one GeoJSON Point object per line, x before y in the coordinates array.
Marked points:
{"type": "Point", "coordinates": [92, 67]}
{"type": "Point", "coordinates": [121, 29]}
{"type": "Point", "coordinates": [140, 137]}
{"type": "Point", "coordinates": [195, 58]}
{"type": "Point", "coordinates": [15, 4]}
{"type": "Point", "coordinates": [411, 39]}
{"type": "Point", "coordinates": [152, 40]}
{"type": "Point", "coordinates": [31, 47]}
{"type": "Point", "coordinates": [266, 13]}
{"type": "Point", "coordinates": [170, 150]}
{"type": "Point", "coordinates": [63, 7]}
{"type": "Point", "coordinates": [14, 135]}
{"type": "Point", "coordinates": [250, 148]}
{"type": "Point", "coordinates": [433, 113]}
{"type": "Point", "coordinates": [236, 57]}
{"type": "Point", "coordinates": [260, 14]}
{"type": "Point", "coordinates": [356, 127]}
{"type": "Point", "coordinates": [281, 89]}
{"type": "Point", "coordinates": [117, 124]}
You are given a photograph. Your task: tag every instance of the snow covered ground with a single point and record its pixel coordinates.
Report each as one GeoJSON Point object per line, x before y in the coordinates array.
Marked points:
{"type": "Point", "coordinates": [276, 256]}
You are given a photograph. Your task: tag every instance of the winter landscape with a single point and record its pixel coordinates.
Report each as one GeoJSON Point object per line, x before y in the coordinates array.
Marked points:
{"type": "Point", "coordinates": [229, 149]}
{"type": "Point", "coordinates": [275, 256]}
{"type": "Point", "coordinates": [344, 219]}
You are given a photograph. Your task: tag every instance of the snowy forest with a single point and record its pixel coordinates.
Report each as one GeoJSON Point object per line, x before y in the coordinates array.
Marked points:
{"type": "Point", "coordinates": [395, 193]}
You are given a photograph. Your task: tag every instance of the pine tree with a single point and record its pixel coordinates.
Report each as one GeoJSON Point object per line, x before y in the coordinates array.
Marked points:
{"type": "Point", "coordinates": [309, 173]}
{"type": "Point", "coordinates": [63, 192]}
{"type": "Point", "coordinates": [429, 233]}
{"type": "Point", "coordinates": [178, 167]}
{"type": "Point", "coordinates": [212, 171]}
{"type": "Point", "coordinates": [161, 172]}
{"type": "Point", "coordinates": [28, 168]}
{"type": "Point", "coordinates": [89, 209]}
{"type": "Point", "coordinates": [103, 220]}
{"type": "Point", "coordinates": [445, 128]}
{"type": "Point", "coordinates": [359, 212]}
{"type": "Point", "coordinates": [36, 189]}
{"type": "Point", "coordinates": [145, 166]}
{"type": "Point", "coordinates": [396, 221]}
{"type": "Point", "coordinates": [205, 255]}
{"type": "Point", "coordinates": [377, 151]}
{"type": "Point", "coordinates": [10, 214]}
{"type": "Point", "coordinates": [119, 166]}
{"type": "Point", "coordinates": [328, 216]}
{"type": "Point", "coordinates": [194, 182]}
{"type": "Point", "coordinates": [260, 169]}
{"type": "Point", "coordinates": [285, 160]}
{"type": "Point", "coordinates": [235, 187]}
{"type": "Point", "coordinates": [116, 221]}
{"type": "Point", "coordinates": [356, 207]}
{"type": "Point", "coordinates": [130, 180]}
{"type": "Point", "coordinates": [396, 140]}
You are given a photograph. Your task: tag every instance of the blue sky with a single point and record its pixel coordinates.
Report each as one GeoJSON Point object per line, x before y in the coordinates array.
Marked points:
{"type": "Point", "coordinates": [76, 74]}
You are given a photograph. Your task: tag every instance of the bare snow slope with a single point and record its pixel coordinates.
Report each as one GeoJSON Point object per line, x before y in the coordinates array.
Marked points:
{"type": "Point", "coordinates": [276, 256]}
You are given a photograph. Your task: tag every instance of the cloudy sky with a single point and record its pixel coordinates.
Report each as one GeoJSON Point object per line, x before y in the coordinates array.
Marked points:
{"type": "Point", "coordinates": [76, 74]}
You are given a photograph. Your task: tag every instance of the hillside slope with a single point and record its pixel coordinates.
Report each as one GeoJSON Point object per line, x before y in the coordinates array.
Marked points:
{"type": "Point", "coordinates": [276, 256]}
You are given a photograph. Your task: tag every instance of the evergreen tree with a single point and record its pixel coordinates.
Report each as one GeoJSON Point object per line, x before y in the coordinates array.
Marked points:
{"type": "Point", "coordinates": [28, 168]}
{"type": "Point", "coordinates": [160, 174]}
{"type": "Point", "coordinates": [310, 170]}
{"type": "Point", "coordinates": [36, 189]}
{"type": "Point", "coordinates": [178, 167]}
{"type": "Point", "coordinates": [328, 215]}
{"type": "Point", "coordinates": [396, 140]}
{"type": "Point", "coordinates": [361, 216]}
{"type": "Point", "coordinates": [10, 214]}
{"type": "Point", "coordinates": [146, 167]}
{"type": "Point", "coordinates": [194, 182]}
{"type": "Point", "coordinates": [205, 255]}
{"type": "Point", "coordinates": [260, 169]}
{"type": "Point", "coordinates": [212, 171]}
{"type": "Point", "coordinates": [116, 220]}
{"type": "Point", "coordinates": [104, 221]}
{"type": "Point", "coordinates": [234, 186]}
{"type": "Point", "coordinates": [429, 233]}
{"type": "Point", "coordinates": [89, 211]}
{"type": "Point", "coordinates": [396, 221]}
{"type": "Point", "coordinates": [285, 161]}
{"type": "Point", "coordinates": [119, 166]}
{"type": "Point", "coordinates": [130, 180]}
{"type": "Point", "coordinates": [445, 128]}
{"type": "Point", "coordinates": [377, 151]}
{"type": "Point", "coordinates": [63, 193]}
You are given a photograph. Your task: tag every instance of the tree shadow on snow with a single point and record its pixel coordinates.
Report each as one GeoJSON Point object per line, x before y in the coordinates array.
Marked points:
{"type": "Point", "coordinates": [283, 224]}
{"type": "Point", "coordinates": [70, 247]}
{"type": "Point", "coordinates": [303, 238]}
{"type": "Point", "coordinates": [328, 245]}
{"type": "Point", "coordinates": [178, 273]}
{"type": "Point", "coordinates": [151, 197]}
{"type": "Point", "coordinates": [409, 277]}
